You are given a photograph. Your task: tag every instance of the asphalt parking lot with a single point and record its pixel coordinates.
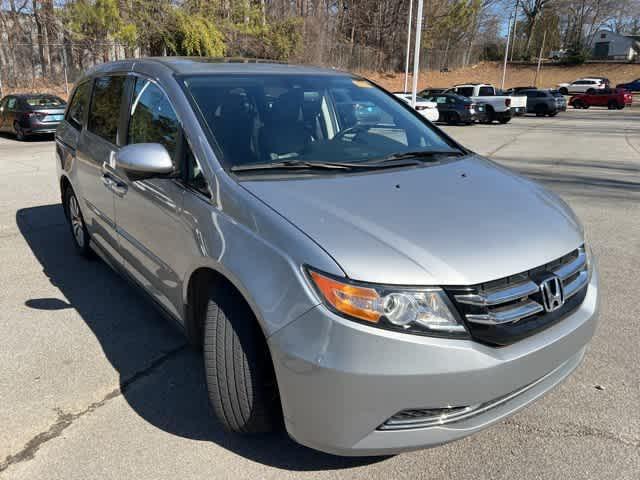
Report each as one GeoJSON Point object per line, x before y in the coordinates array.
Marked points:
{"type": "Point", "coordinates": [95, 384]}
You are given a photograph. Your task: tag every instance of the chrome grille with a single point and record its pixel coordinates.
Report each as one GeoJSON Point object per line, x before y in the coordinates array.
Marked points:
{"type": "Point", "coordinates": [507, 302]}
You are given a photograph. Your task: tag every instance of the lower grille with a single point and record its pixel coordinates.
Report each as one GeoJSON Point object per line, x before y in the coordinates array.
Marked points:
{"type": "Point", "coordinates": [504, 311]}
{"type": "Point", "coordinates": [424, 417]}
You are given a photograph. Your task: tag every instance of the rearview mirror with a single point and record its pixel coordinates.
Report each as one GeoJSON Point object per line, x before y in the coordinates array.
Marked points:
{"type": "Point", "coordinates": [145, 160]}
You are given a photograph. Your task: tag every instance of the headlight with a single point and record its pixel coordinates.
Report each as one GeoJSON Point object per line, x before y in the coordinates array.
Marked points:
{"type": "Point", "coordinates": [420, 310]}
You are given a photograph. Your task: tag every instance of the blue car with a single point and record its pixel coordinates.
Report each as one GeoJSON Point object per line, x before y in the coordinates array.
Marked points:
{"type": "Point", "coordinates": [632, 86]}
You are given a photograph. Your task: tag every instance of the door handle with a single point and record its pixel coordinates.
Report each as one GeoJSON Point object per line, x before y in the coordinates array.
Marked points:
{"type": "Point", "coordinates": [107, 181]}
{"type": "Point", "coordinates": [116, 186]}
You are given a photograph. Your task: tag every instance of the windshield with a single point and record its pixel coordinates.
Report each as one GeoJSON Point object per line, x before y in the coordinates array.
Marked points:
{"type": "Point", "coordinates": [312, 118]}
{"type": "Point", "coordinates": [45, 102]}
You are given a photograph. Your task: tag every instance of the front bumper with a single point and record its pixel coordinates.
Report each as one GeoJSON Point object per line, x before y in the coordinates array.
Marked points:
{"type": "Point", "coordinates": [340, 380]}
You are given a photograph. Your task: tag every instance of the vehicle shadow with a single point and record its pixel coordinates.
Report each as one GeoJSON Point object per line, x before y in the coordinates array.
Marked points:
{"type": "Point", "coordinates": [45, 137]}
{"type": "Point", "coordinates": [160, 377]}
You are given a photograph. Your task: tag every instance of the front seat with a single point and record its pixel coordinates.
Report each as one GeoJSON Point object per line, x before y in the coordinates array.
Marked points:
{"type": "Point", "coordinates": [285, 133]}
{"type": "Point", "coordinates": [234, 126]}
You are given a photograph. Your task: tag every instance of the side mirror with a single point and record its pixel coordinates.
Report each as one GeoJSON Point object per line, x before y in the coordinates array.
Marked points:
{"type": "Point", "coordinates": [145, 160]}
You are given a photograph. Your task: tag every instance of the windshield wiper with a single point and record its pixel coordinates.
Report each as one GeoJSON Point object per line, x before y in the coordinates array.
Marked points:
{"type": "Point", "coordinates": [304, 164]}
{"type": "Point", "coordinates": [423, 155]}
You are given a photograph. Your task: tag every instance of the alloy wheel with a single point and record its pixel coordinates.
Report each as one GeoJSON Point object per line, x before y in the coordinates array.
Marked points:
{"type": "Point", "coordinates": [76, 221]}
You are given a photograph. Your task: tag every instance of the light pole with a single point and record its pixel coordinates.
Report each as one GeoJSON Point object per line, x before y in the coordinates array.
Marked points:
{"type": "Point", "coordinates": [406, 66]}
{"type": "Point", "coordinates": [515, 25]}
{"type": "Point", "coordinates": [416, 55]}
{"type": "Point", "coordinates": [506, 55]}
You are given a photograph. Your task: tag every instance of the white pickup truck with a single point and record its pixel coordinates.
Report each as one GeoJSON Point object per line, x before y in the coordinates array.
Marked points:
{"type": "Point", "coordinates": [499, 107]}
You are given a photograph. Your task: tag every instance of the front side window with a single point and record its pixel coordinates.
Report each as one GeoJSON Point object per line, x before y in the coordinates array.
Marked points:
{"type": "Point", "coordinates": [104, 114]}
{"type": "Point", "coordinates": [78, 106]}
{"type": "Point", "coordinates": [313, 118]}
{"type": "Point", "coordinates": [153, 119]}
{"type": "Point", "coordinates": [486, 92]}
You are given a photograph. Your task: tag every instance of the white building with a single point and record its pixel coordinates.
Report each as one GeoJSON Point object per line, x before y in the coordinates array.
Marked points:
{"type": "Point", "coordinates": [607, 45]}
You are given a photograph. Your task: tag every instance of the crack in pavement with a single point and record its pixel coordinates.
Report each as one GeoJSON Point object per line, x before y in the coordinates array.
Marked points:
{"type": "Point", "coordinates": [65, 420]}
{"type": "Point", "coordinates": [628, 140]}
{"type": "Point", "coordinates": [573, 430]}
{"type": "Point", "coordinates": [517, 136]}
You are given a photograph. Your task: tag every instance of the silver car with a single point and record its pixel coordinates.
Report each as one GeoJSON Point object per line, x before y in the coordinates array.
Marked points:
{"type": "Point", "coordinates": [350, 271]}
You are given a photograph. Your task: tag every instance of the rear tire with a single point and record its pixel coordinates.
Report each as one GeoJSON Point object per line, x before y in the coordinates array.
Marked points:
{"type": "Point", "coordinates": [81, 238]}
{"type": "Point", "coordinates": [578, 104]}
{"type": "Point", "coordinates": [590, 91]}
{"type": "Point", "coordinates": [553, 114]}
{"type": "Point", "coordinates": [541, 110]}
{"type": "Point", "coordinates": [613, 105]}
{"type": "Point", "coordinates": [453, 118]}
{"type": "Point", "coordinates": [620, 107]}
{"type": "Point", "coordinates": [239, 370]}
{"type": "Point", "coordinates": [20, 136]}
{"type": "Point", "coordinates": [489, 116]}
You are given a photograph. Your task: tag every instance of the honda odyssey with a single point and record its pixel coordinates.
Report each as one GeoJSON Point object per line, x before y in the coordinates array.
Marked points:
{"type": "Point", "coordinates": [350, 271]}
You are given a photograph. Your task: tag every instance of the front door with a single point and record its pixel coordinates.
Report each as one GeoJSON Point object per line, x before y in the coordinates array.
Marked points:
{"type": "Point", "coordinates": [148, 210]}
{"type": "Point", "coordinates": [95, 156]}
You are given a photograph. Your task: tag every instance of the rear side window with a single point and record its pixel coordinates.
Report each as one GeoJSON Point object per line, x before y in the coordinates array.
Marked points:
{"type": "Point", "coordinates": [11, 103]}
{"type": "Point", "coordinates": [465, 91]}
{"type": "Point", "coordinates": [44, 102]}
{"type": "Point", "coordinates": [78, 105]}
{"type": "Point", "coordinates": [104, 115]}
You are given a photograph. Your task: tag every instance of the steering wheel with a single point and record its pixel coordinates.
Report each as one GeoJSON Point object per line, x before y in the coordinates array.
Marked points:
{"type": "Point", "coordinates": [355, 129]}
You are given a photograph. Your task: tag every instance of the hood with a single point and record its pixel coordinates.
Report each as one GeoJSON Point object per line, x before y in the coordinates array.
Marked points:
{"type": "Point", "coordinates": [461, 222]}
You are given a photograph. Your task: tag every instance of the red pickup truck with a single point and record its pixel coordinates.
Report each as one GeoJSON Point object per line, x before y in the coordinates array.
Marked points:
{"type": "Point", "coordinates": [608, 97]}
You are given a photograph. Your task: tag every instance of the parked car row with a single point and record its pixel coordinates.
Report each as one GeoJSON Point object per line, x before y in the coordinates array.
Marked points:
{"type": "Point", "coordinates": [468, 103]}
{"type": "Point", "coordinates": [30, 114]}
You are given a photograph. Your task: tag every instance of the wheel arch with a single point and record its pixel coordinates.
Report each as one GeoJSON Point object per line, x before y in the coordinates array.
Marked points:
{"type": "Point", "coordinates": [196, 295]}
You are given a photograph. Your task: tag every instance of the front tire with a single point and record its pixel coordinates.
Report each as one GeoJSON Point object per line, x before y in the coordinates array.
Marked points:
{"type": "Point", "coordinates": [239, 371]}
{"type": "Point", "coordinates": [76, 222]}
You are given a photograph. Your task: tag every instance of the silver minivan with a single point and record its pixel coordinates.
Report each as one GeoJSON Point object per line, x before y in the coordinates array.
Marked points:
{"type": "Point", "coordinates": [351, 273]}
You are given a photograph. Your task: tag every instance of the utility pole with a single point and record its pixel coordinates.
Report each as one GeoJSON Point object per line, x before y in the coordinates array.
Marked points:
{"type": "Point", "coordinates": [506, 55]}
{"type": "Point", "coordinates": [64, 68]}
{"type": "Point", "coordinates": [416, 55]}
{"type": "Point", "coordinates": [406, 66]}
{"type": "Point", "coordinates": [535, 80]}
{"type": "Point", "coordinates": [515, 25]}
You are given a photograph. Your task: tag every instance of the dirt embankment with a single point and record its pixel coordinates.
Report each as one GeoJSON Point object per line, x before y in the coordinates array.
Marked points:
{"type": "Point", "coordinates": [517, 75]}
{"type": "Point", "coordinates": [486, 72]}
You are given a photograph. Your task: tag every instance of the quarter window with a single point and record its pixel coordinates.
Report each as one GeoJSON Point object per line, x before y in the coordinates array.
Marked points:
{"type": "Point", "coordinates": [104, 115]}
{"type": "Point", "coordinates": [153, 120]}
{"type": "Point", "coordinates": [78, 105]}
{"type": "Point", "coordinates": [194, 177]}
